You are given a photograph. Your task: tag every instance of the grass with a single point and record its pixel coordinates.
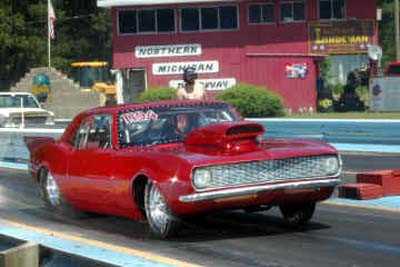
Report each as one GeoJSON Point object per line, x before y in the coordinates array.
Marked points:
{"type": "Point", "coordinates": [349, 115]}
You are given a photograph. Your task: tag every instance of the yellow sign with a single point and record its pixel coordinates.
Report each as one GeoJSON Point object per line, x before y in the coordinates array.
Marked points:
{"type": "Point", "coordinates": [341, 37]}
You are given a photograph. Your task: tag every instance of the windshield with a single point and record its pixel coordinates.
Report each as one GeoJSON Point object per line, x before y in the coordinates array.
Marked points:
{"type": "Point", "coordinates": [149, 127]}
{"type": "Point", "coordinates": [14, 101]}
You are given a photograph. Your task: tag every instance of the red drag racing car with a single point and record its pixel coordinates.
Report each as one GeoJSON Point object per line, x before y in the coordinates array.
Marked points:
{"type": "Point", "coordinates": [165, 161]}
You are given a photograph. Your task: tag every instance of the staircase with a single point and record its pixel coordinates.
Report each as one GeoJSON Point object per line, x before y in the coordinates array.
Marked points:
{"type": "Point", "coordinates": [66, 99]}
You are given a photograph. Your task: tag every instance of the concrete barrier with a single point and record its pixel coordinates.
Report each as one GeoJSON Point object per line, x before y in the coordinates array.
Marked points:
{"type": "Point", "coordinates": [18, 253]}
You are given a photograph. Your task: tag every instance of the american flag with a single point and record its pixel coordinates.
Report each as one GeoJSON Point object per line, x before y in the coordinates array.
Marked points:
{"type": "Point", "coordinates": [52, 20]}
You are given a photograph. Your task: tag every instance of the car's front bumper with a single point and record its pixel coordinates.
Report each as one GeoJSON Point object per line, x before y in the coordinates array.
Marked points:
{"type": "Point", "coordinates": [251, 190]}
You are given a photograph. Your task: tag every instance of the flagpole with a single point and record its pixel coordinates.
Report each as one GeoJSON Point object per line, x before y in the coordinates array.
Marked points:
{"type": "Point", "coordinates": [48, 33]}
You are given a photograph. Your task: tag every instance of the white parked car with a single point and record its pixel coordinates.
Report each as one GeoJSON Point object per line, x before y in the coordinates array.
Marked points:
{"type": "Point", "coordinates": [18, 109]}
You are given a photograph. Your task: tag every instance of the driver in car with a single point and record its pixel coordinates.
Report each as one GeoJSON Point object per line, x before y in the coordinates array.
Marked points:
{"type": "Point", "coordinates": [177, 127]}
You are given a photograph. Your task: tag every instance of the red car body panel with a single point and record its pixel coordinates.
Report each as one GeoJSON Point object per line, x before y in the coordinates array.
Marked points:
{"type": "Point", "coordinates": [102, 181]}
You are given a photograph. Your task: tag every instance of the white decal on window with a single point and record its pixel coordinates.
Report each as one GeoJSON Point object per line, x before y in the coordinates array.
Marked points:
{"type": "Point", "coordinates": [139, 116]}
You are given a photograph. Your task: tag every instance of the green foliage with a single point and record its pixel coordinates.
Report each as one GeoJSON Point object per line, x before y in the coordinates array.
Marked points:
{"type": "Point", "coordinates": [325, 68]}
{"type": "Point", "coordinates": [157, 94]}
{"type": "Point", "coordinates": [386, 33]}
{"type": "Point", "coordinates": [83, 32]}
{"type": "Point", "coordinates": [253, 101]}
{"type": "Point", "coordinates": [337, 89]}
{"type": "Point", "coordinates": [363, 93]}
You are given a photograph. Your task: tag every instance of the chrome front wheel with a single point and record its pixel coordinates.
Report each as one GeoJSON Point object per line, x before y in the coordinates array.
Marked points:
{"type": "Point", "coordinates": [159, 217]}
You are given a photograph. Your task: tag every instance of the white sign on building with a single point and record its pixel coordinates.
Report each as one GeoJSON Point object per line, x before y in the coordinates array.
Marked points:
{"type": "Point", "coordinates": [174, 68]}
{"type": "Point", "coordinates": [208, 84]}
{"type": "Point", "coordinates": [179, 50]}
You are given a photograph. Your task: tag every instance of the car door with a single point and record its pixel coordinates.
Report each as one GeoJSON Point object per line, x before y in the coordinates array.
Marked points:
{"type": "Point", "coordinates": [90, 167]}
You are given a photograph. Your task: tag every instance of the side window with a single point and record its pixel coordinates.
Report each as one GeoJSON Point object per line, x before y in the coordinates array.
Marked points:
{"type": "Point", "coordinates": [95, 133]}
{"type": "Point", "coordinates": [81, 136]}
{"type": "Point", "coordinates": [100, 133]}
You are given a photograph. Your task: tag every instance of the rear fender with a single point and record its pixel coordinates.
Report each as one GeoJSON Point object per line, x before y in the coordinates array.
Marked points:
{"type": "Point", "coordinates": [34, 142]}
{"type": "Point", "coordinates": [34, 145]}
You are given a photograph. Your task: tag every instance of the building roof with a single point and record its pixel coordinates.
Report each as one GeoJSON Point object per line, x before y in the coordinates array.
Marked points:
{"type": "Point", "coordinates": [114, 3]}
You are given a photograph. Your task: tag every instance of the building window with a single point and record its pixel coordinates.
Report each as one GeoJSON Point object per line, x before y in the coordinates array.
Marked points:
{"type": "Point", "coordinates": [262, 13]}
{"type": "Point", "coordinates": [209, 18]}
{"type": "Point", "coordinates": [127, 21]}
{"type": "Point", "coordinates": [146, 21]}
{"type": "Point", "coordinates": [292, 11]}
{"type": "Point", "coordinates": [228, 17]}
{"type": "Point", "coordinates": [166, 20]}
{"type": "Point", "coordinates": [190, 19]}
{"type": "Point", "coordinates": [331, 9]}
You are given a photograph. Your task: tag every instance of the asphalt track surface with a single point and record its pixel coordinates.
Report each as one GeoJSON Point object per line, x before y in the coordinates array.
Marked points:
{"type": "Point", "coordinates": [337, 236]}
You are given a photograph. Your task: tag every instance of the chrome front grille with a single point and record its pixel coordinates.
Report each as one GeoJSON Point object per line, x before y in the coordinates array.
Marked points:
{"type": "Point", "coordinates": [270, 170]}
{"type": "Point", "coordinates": [30, 120]}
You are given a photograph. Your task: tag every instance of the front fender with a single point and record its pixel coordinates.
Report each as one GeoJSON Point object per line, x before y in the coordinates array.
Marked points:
{"type": "Point", "coordinates": [173, 181]}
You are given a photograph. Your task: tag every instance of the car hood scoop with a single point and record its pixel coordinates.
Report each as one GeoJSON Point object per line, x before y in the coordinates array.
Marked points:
{"type": "Point", "coordinates": [225, 137]}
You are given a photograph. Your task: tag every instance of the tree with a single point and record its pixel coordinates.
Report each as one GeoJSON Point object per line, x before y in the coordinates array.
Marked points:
{"type": "Point", "coordinates": [386, 33]}
{"type": "Point", "coordinates": [80, 27]}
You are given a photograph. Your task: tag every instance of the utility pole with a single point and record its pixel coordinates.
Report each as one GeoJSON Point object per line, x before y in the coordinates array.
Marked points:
{"type": "Point", "coordinates": [397, 28]}
{"type": "Point", "coordinates": [48, 35]}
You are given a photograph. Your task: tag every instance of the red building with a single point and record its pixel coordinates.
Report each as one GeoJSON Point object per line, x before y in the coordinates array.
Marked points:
{"type": "Point", "coordinates": [275, 43]}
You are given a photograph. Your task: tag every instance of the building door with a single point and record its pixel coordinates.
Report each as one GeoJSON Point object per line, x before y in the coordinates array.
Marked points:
{"type": "Point", "coordinates": [135, 82]}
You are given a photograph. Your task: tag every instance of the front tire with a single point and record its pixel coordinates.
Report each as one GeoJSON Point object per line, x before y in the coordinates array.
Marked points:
{"type": "Point", "coordinates": [161, 222]}
{"type": "Point", "coordinates": [297, 215]}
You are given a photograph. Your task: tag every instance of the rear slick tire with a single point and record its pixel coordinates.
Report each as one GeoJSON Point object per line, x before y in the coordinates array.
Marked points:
{"type": "Point", "coordinates": [297, 215]}
{"type": "Point", "coordinates": [161, 222]}
{"type": "Point", "coordinates": [52, 196]}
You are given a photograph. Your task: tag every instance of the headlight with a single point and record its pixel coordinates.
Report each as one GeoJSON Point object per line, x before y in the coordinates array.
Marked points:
{"type": "Point", "coordinates": [2, 120]}
{"type": "Point", "coordinates": [201, 178]}
{"type": "Point", "coordinates": [50, 120]}
{"type": "Point", "coordinates": [7, 122]}
{"type": "Point", "coordinates": [332, 165]}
